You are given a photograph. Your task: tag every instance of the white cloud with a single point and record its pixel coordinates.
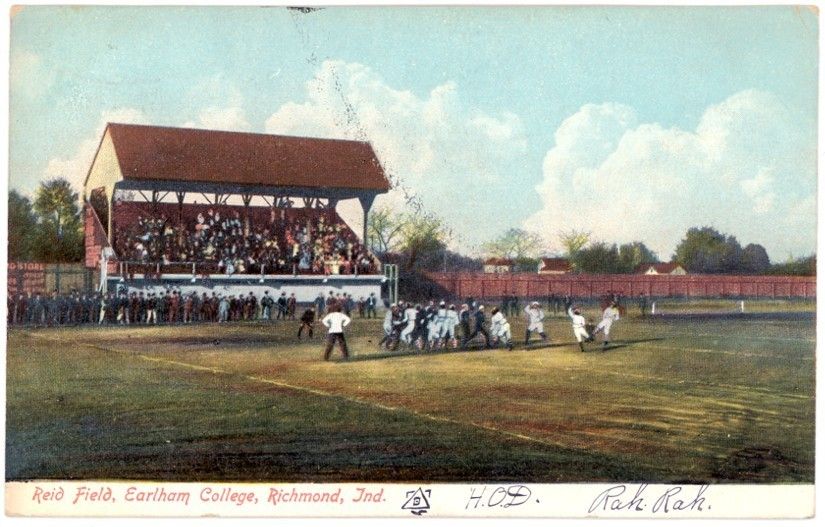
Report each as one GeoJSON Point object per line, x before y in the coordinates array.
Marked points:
{"type": "Point", "coordinates": [435, 145]}
{"type": "Point", "coordinates": [75, 167]}
{"type": "Point", "coordinates": [221, 106]}
{"type": "Point", "coordinates": [28, 77]}
{"type": "Point", "coordinates": [231, 118]}
{"type": "Point", "coordinates": [746, 169]}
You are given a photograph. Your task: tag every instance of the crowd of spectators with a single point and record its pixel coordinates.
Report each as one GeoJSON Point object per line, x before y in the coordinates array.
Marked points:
{"type": "Point", "coordinates": [318, 243]}
{"type": "Point", "coordinates": [169, 306]}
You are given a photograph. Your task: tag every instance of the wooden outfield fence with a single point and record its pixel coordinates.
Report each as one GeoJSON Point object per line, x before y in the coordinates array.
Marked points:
{"type": "Point", "coordinates": [480, 285]}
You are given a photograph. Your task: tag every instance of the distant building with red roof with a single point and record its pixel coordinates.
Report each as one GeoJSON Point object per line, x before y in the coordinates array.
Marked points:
{"type": "Point", "coordinates": [671, 268]}
{"type": "Point", "coordinates": [498, 265]}
{"type": "Point", "coordinates": [554, 266]}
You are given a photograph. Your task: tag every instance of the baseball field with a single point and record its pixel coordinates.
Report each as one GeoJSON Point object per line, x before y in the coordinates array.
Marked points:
{"type": "Point", "coordinates": [699, 394]}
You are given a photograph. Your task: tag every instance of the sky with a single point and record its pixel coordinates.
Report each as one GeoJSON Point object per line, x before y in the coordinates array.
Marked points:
{"type": "Point", "coordinates": [631, 123]}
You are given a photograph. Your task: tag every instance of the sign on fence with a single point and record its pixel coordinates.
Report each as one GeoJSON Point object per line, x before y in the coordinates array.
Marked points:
{"type": "Point", "coordinates": [26, 277]}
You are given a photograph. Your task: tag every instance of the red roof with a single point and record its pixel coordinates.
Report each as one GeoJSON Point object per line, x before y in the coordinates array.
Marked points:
{"type": "Point", "coordinates": [498, 261]}
{"type": "Point", "coordinates": [661, 268]}
{"type": "Point", "coordinates": [555, 264]}
{"type": "Point", "coordinates": [211, 156]}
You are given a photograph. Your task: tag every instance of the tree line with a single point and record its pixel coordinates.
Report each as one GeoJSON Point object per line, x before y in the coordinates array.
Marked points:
{"type": "Point", "coordinates": [418, 243]}
{"type": "Point", "coordinates": [49, 229]}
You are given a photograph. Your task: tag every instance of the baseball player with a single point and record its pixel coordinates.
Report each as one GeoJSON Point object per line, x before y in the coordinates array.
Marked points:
{"type": "Point", "coordinates": [448, 328]}
{"type": "Point", "coordinates": [409, 316]}
{"type": "Point", "coordinates": [610, 315]}
{"type": "Point", "coordinates": [387, 326]}
{"type": "Point", "coordinates": [579, 326]}
{"type": "Point", "coordinates": [535, 322]}
{"type": "Point", "coordinates": [500, 328]}
{"type": "Point", "coordinates": [436, 325]}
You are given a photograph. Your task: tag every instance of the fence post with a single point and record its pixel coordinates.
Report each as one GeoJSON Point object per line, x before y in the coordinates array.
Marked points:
{"type": "Point", "coordinates": [57, 277]}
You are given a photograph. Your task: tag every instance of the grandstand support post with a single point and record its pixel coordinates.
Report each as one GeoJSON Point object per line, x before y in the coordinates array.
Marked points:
{"type": "Point", "coordinates": [181, 196]}
{"type": "Point", "coordinates": [366, 204]}
{"type": "Point", "coordinates": [391, 276]}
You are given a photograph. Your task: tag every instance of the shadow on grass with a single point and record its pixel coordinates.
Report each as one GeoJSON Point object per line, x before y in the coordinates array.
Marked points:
{"type": "Point", "coordinates": [619, 344]}
{"type": "Point", "coordinates": [382, 355]}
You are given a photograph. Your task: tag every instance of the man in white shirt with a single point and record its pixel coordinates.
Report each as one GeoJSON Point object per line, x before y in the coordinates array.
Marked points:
{"type": "Point", "coordinates": [535, 322]}
{"type": "Point", "coordinates": [610, 315]}
{"type": "Point", "coordinates": [500, 328]}
{"type": "Point", "coordinates": [451, 320]}
{"type": "Point", "coordinates": [579, 326]}
{"type": "Point", "coordinates": [336, 322]}
{"type": "Point", "coordinates": [409, 316]}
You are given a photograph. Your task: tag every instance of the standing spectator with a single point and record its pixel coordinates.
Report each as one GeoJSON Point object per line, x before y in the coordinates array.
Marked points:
{"type": "Point", "coordinates": [223, 310]}
{"type": "Point", "coordinates": [214, 302]}
{"type": "Point", "coordinates": [643, 304]}
{"type": "Point", "coordinates": [336, 322]}
{"type": "Point", "coordinates": [371, 303]}
{"type": "Point", "coordinates": [174, 306]}
{"type": "Point", "coordinates": [362, 307]}
{"type": "Point", "coordinates": [319, 303]}
{"type": "Point", "coordinates": [250, 306]}
{"type": "Point", "coordinates": [330, 301]}
{"type": "Point", "coordinates": [349, 304]}
{"type": "Point", "coordinates": [266, 306]}
{"type": "Point", "coordinates": [281, 306]}
{"type": "Point", "coordinates": [187, 308]}
{"type": "Point", "coordinates": [151, 309]}
{"type": "Point", "coordinates": [291, 306]}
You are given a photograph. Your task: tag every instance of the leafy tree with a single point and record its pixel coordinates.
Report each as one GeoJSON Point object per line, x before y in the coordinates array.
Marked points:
{"type": "Point", "coordinates": [422, 237]}
{"type": "Point", "coordinates": [573, 241]}
{"type": "Point", "coordinates": [633, 254]}
{"type": "Point", "coordinates": [22, 227]}
{"type": "Point", "coordinates": [598, 258]}
{"type": "Point", "coordinates": [805, 266]}
{"type": "Point", "coordinates": [514, 244]}
{"type": "Point", "coordinates": [706, 250]}
{"type": "Point", "coordinates": [754, 259]}
{"type": "Point", "coordinates": [59, 236]}
{"type": "Point", "coordinates": [384, 228]}
{"type": "Point", "coordinates": [518, 245]}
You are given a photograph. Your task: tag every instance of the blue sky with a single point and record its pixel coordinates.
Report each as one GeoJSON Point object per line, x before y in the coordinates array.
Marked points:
{"type": "Point", "coordinates": [630, 123]}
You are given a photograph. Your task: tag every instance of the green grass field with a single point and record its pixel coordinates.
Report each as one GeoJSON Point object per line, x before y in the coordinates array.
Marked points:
{"type": "Point", "coordinates": [674, 400]}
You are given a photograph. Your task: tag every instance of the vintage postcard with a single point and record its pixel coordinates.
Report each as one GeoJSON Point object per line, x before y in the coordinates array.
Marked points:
{"type": "Point", "coordinates": [411, 262]}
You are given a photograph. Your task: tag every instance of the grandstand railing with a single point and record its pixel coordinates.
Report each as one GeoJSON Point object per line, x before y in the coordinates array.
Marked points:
{"type": "Point", "coordinates": [209, 269]}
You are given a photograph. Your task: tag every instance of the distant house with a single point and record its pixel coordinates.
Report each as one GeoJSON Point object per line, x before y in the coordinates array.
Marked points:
{"type": "Point", "coordinates": [554, 266]}
{"type": "Point", "coordinates": [672, 268]}
{"type": "Point", "coordinates": [498, 265]}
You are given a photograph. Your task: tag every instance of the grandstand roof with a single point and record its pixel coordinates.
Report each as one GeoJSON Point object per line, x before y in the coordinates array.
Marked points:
{"type": "Point", "coordinates": [157, 153]}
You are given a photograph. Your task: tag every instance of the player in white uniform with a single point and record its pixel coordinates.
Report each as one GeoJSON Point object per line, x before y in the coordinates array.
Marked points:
{"type": "Point", "coordinates": [500, 328]}
{"type": "Point", "coordinates": [579, 326]}
{"type": "Point", "coordinates": [387, 325]}
{"type": "Point", "coordinates": [409, 316]}
{"type": "Point", "coordinates": [610, 315]}
{"type": "Point", "coordinates": [535, 322]}
{"type": "Point", "coordinates": [436, 327]}
{"type": "Point", "coordinates": [448, 327]}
